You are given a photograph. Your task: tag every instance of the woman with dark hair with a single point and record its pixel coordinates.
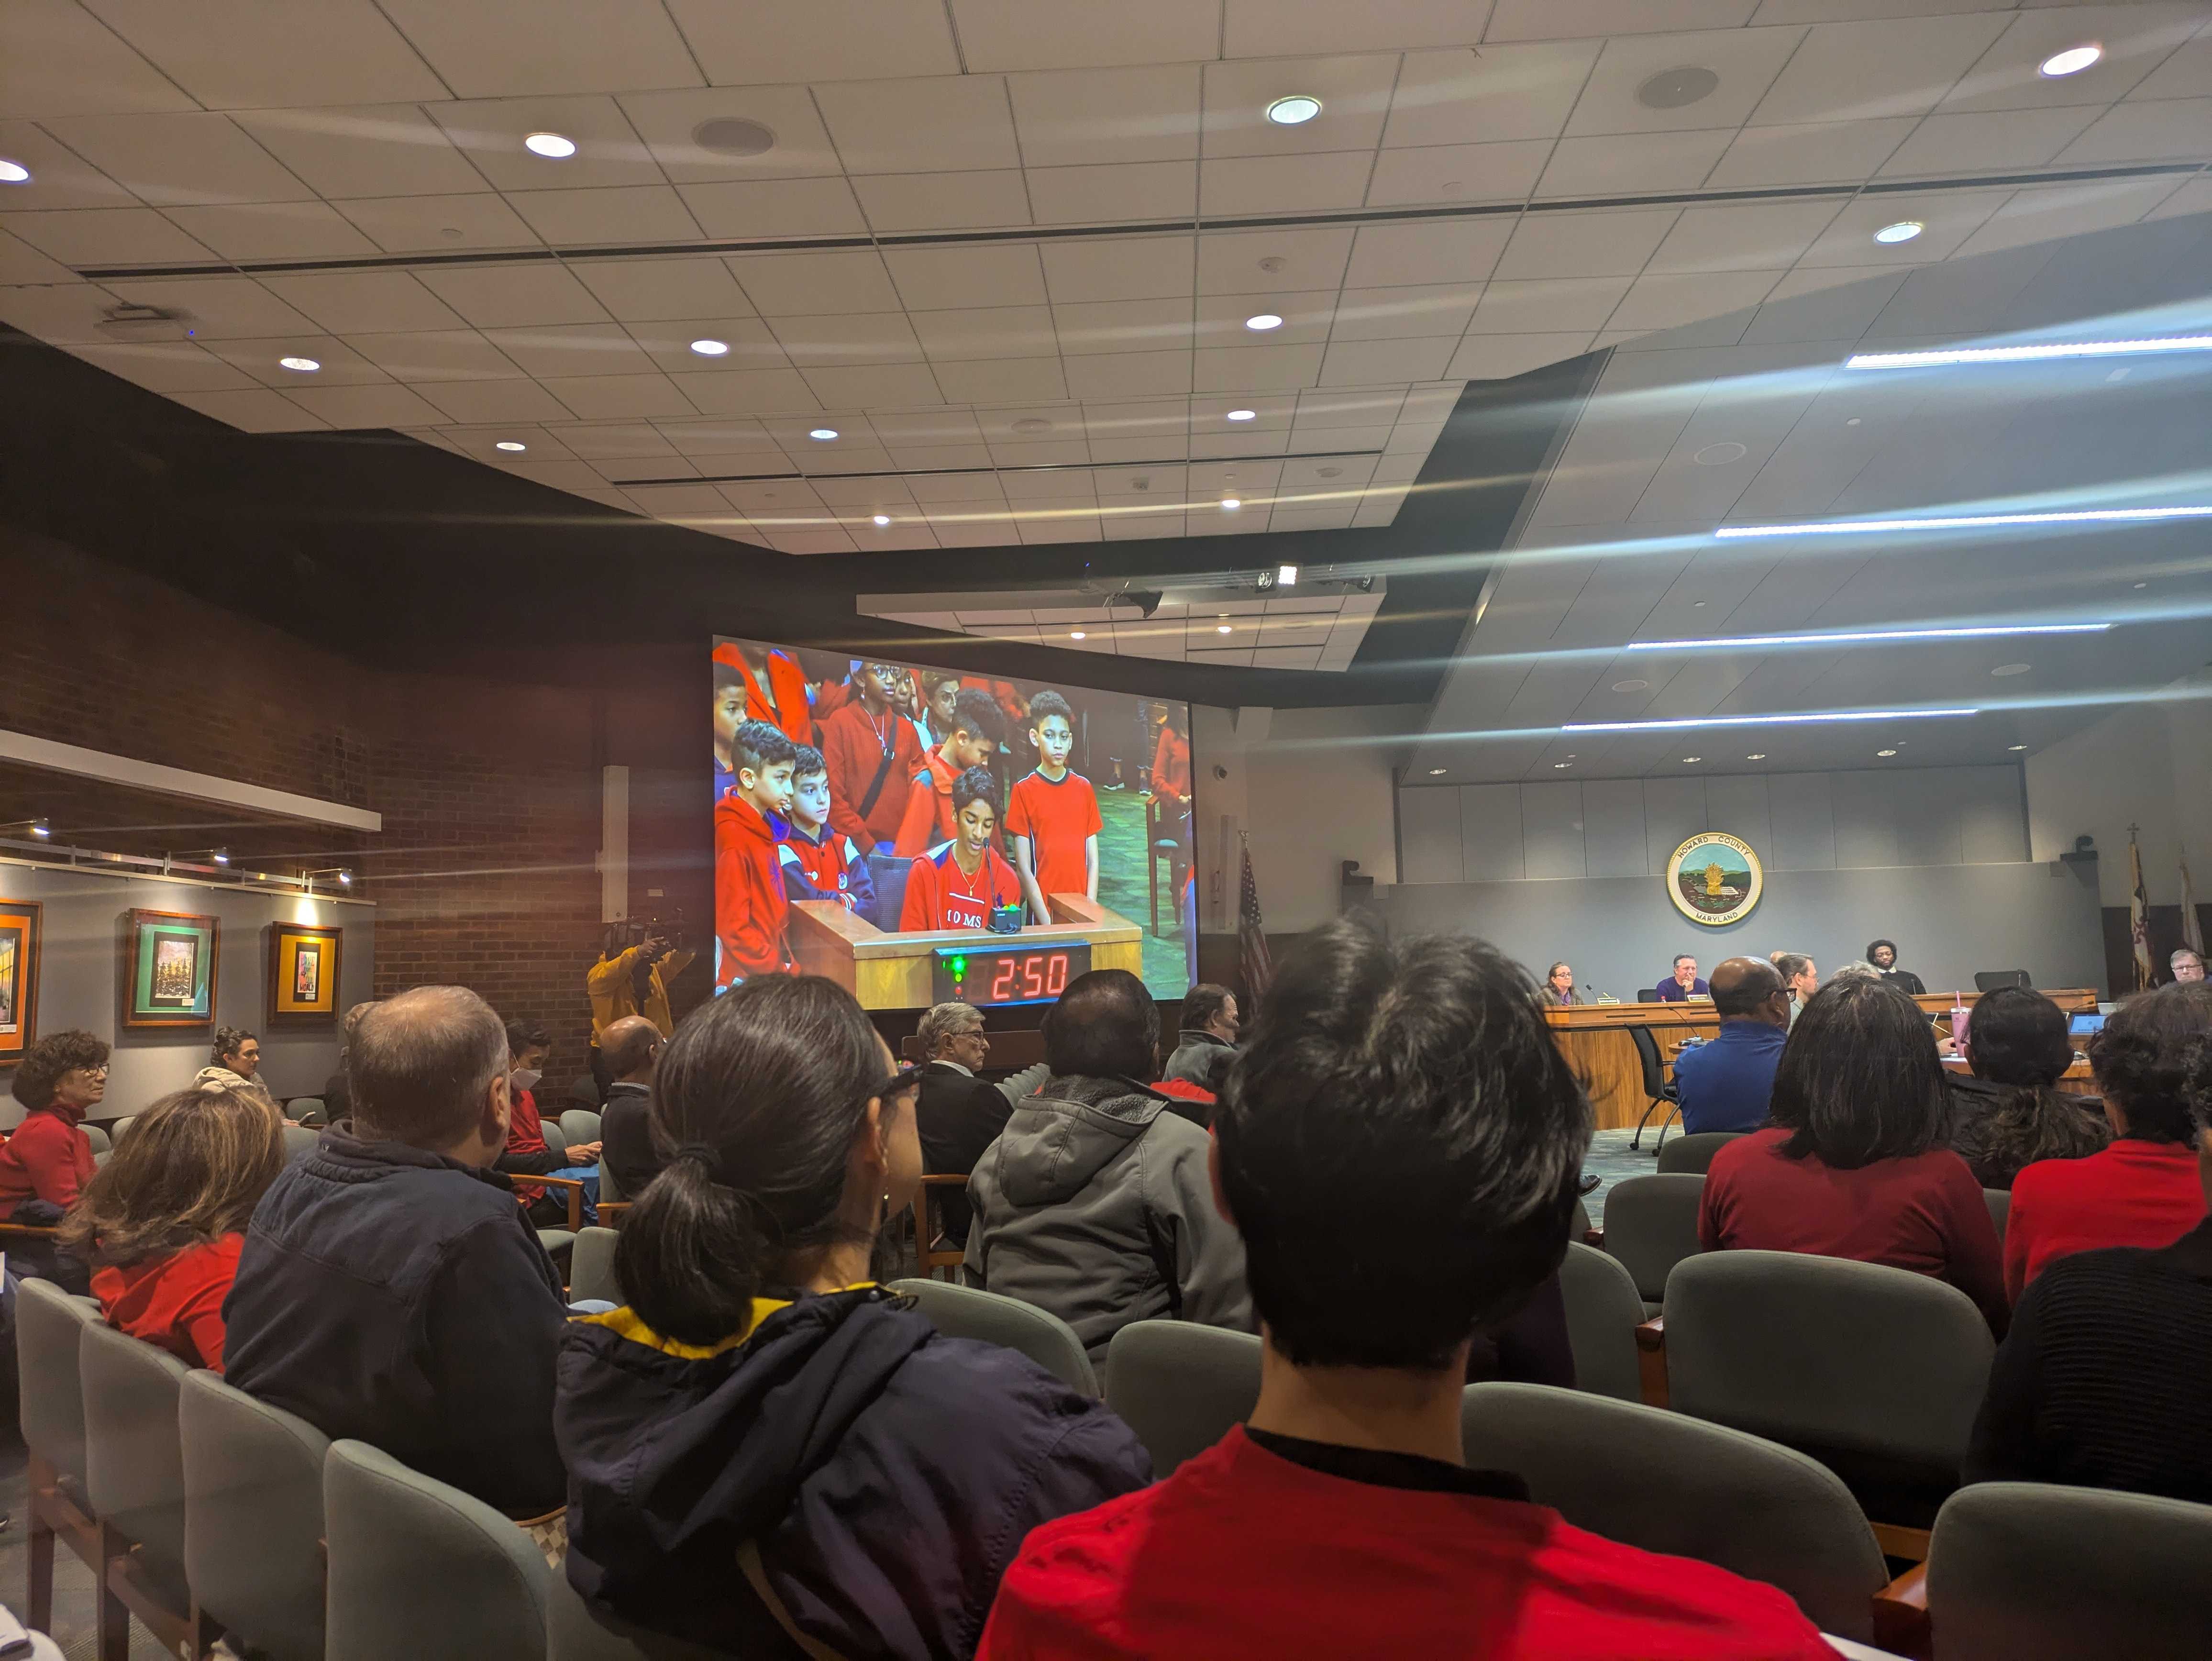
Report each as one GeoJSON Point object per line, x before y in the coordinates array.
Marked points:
{"type": "Point", "coordinates": [164, 1219]}
{"type": "Point", "coordinates": [760, 1405]}
{"type": "Point", "coordinates": [234, 1063]}
{"type": "Point", "coordinates": [2141, 1190]}
{"type": "Point", "coordinates": [2008, 1113]}
{"type": "Point", "coordinates": [1854, 1164]}
{"type": "Point", "coordinates": [47, 1162]}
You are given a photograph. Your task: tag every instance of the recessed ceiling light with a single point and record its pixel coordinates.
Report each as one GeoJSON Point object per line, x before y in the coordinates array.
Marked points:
{"type": "Point", "coordinates": [1294, 111]}
{"type": "Point", "coordinates": [1557, 765]}
{"type": "Point", "coordinates": [1756, 755]}
{"type": "Point", "coordinates": [1853, 422]}
{"type": "Point", "coordinates": [1884, 752]}
{"type": "Point", "coordinates": [2142, 585]}
{"type": "Point", "coordinates": [1243, 415]}
{"type": "Point", "coordinates": [1436, 772]}
{"type": "Point", "coordinates": [1966, 522]}
{"type": "Point", "coordinates": [1033, 424]}
{"type": "Point", "coordinates": [2010, 669]}
{"type": "Point", "coordinates": [14, 173]}
{"type": "Point", "coordinates": [1864, 637]}
{"type": "Point", "coordinates": [1716, 455]}
{"type": "Point", "coordinates": [823, 435]}
{"type": "Point", "coordinates": [2016, 746]}
{"type": "Point", "coordinates": [553, 145]}
{"type": "Point", "coordinates": [299, 365]}
{"type": "Point", "coordinates": [1330, 472]}
{"type": "Point", "coordinates": [1942, 357]}
{"type": "Point", "coordinates": [1629, 686]}
{"type": "Point", "coordinates": [1221, 628]}
{"type": "Point", "coordinates": [1694, 758]}
{"type": "Point", "coordinates": [733, 135]}
{"type": "Point", "coordinates": [1261, 322]}
{"type": "Point", "coordinates": [1676, 88]}
{"type": "Point", "coordinates": [710, 348]}
{"type": "Point", "coordinates": [1902, 230]}
{"type": "Point", "coordinates": [1075, 634]}
{"type": "Point", "coordinates": [1805, 719]}
{"type": "Point", "coordinates": [511, 444]}
{"type": "Point", "coordinates": [882, 518]}
{"type": "Point", "coordinates": [1232, 504]}
{"type": "Point", "coordinates": [2072, 61]}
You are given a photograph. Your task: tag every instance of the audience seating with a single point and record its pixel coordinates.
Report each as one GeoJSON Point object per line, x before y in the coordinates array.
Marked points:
{"type": "Point", "coordinates": [609, 1188]}
{"type": "Point", "coordinates": [1603, 1308]}
{"type": "Point", "coordinates": [579, 1125]}
{"type": "Point", "coordinates": [583, 1091]}
{"type": "Point", "coordinates": [576, 1632]}
{"type": "Point", "coordinates": [1999, 1200]}
{"type": "Point", "coordinates": [1179, 1385]}
{"type": "Point", "coordinates": [1693, 1152]}
{"type": "Point", "coordinates": [2026, 1572]}
{"type": "Point", "coordinates": [253, 1518]}
{"type": "Point", "coordinates": [1651, 1224]}
{"type": "Point", "coordinates": [1875, 1372]}
{"type": "Point", "coordinates": [50, 1327]}
{"type": "Point", "coordinates": [572, 1188]}
{"type": "Point", "coordinates": [300, 1141]}
{"type": "Point", "coordinates": [421, 1570]}
{"type": "Point", "coordinates": [1658, 1088]}
{"type": "Point", "coordinates": [591, 1266]}
{"type": "Point", "coordinates": [99, 1141]}
{"type": "Point", "coordinates": [1580, 1228]}
{"type": "Point", "coordinates": [929, 1224]}
{"type": "Point", "coordinates": [1670, 1483]}
{"type": "Point", "coordinates": [121, 1126]}
{"type": "Point", "coordinates": [12, 1114]}
{"type": "Point", "coordinates": [960, 1311]}
{"type": "Point", "coordinates": [310, 1110]}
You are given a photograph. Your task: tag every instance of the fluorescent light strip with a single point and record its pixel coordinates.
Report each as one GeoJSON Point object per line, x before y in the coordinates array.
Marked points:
{"type": "Point", "coordinates": [1758, 721]}
{"type": "Point", "coordinates": [2188, 343]}
{"type": "Point", "coordinates": [1964, 522]}
{"type": "Point", "coordinates": [1865, 636]}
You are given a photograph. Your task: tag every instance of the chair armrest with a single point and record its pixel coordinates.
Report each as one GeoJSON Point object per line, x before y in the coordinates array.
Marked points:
{"type": "Point", "coordinates": [26, 1232]}
{"type": "Point", "coordinates": [575, 1187]}
{"type": "Point", "coordinates": [1593, 1237]}
{"type": "Point", "coordinates": [1651, 1360]}
{"type": "Point", "coordinates": [1901, 1616]}
{"type": "Point", "coordinates": [611, 1213]}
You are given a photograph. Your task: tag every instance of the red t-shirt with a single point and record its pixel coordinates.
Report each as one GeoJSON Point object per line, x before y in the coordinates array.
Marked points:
{"type": "Point", "coordinates": [1057, 817]}
{"type": "Point", "coordinates": [48, 1158]}
{"type": "Point", "coordinates": [939, 895]}
{"type": "Point", "coordinates": [2130, 1194]}
{"type": "Point", "coordinates": [1244, 1554]}
{"type": "Point", "coordinates": [175, 1301]}
{"type": "Point", "coordinates": [1925, 1213]}
{"type": "Point", "coordinates": [928, 820]}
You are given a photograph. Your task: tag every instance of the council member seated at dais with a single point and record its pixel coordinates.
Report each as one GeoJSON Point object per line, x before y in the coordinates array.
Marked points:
{"type": "Point", "coordinates": [1683, 984]}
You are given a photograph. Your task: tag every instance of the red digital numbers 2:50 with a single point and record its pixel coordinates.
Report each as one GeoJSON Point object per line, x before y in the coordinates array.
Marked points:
{"type": "Point", "coordinates": [1032, 974]}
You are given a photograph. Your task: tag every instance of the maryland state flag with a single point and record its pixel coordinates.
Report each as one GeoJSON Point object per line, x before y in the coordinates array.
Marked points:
{"type": "Point", "coordinates": [2138, 913]}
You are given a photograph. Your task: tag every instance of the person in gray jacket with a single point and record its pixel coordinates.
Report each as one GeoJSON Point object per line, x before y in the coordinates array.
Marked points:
{"type": "Point", "coordinates": [1207, 1043]}
{"type": "Point", "coordinates": [1095, 1202]}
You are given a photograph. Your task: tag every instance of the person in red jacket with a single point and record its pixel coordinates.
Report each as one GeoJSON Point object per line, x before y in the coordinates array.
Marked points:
{"type": "Point", "coordinates": [959, 884]}
{"type": "Point", "coordinates": [2142, 1189]}
{"type": "Point", "coordinates": [750, 912]}
{"type": "Point", "coordinates": [977, 730]}
{"type": "Point", "coordinates": [164, 1219]}
{"type": "Point", "coordinates": [46, 1164]}
{"type": "Point", "coordinates": [872, 754]}
{"type": "Point", "coordinates": [528, 1154]}
{"type": "Point", "coordinates": [775, 687]}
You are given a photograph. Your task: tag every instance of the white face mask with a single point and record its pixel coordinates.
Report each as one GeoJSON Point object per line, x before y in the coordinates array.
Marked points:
{"type": "Point", "coordinates": [524, 1078]}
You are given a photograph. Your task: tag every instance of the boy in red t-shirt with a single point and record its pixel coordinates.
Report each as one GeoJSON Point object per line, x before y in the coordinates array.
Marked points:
{"type": "Point", "coordinates": [1400, 1155]}
{"type": "Point", "coordinates": [976, 732]}
{"type": "Point", "coordinates": [818, 864]}
{"type": "Point", "coordinates": [959, 884]}
{"type": "Point", "coordinates": [751, 911]}
{"type": "Point", "coordinates": [1053, 814]}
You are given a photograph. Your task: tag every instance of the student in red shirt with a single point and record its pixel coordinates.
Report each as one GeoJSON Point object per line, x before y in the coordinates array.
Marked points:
{"type": "Point", "coordinates": [1399, 1154]}
{"type": "Point", "coordinates": [2143, 1189]}
{"type": "Point", "coordinates": [817, 862]}
{"type": "Point", "coordinates": [977, 730]}
{"type": "Point", "coordinates": [959, 884]}
{"type": "Point", "coordinates": [775, 687]}
{"type": "Point", "coordinates": [872, 755]}
{"type": "Point", "coordinates": [1053, 814]}
{"type": "Point", "coordinates": [1171, 761]}
{"type": "Point", "coordinates": [1854, 1163]}
{"type": "Point", "coordinates": [162, 1221]}
{"type": "Point", "coordinates": [751, 911]}
{"type": "Point", "coordinates": [528, 1154]}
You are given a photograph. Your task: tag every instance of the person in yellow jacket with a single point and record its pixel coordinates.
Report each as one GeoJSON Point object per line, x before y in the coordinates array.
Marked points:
{"type": "Point", "coordinates": [632, 981]}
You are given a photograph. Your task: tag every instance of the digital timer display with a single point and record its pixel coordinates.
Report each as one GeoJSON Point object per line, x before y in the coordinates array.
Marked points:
{"type": "Point", "coordinates": [987, 977]}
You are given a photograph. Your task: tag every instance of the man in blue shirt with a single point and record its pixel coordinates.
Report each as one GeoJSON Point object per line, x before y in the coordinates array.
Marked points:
{"type": "Point", "coordinates": [1724, 1085]}
{"type": "Point", "coordinates": [1683, 985]}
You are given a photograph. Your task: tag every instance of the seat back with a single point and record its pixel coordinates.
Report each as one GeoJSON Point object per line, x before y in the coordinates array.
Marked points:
{"type": "Point", "coordinates": [1650, 1478]}
{"type": "Point", "coordinates": [12, 1113]}
{"type": "Point", "coordinates": [2025, 1572]}
{"type": "Point", "coordinates": [1999, 1200]}
{"type": "Point", "coordinates": [422, 1570]}
{"type": "Point", "coordinates": [254, 1517]}
{"type": "Point", "coordinates": [1827, 1353]}
{"type": "Point", "coordinates": [1603, 1311]}
{"type": "Point", "coordinates": [1691, 1154]}
{"type": "Point", "coordinates": [122, 1129]}
{"type": "Point", "coordinates": [1580, 1224]}
{"type": "Point", "coordinates": [134, 1461]}
{"type": "Point", "coordinates": [578, 1124]}
{"type": "Point", "coordinates": [610, 1189]}
{"type": "Point", "coordinates": [1181, 1386]}
{"type": "Point", "coordinates": [960, 1311]}
{"type": "Point", "coordinates": [309, 1111]}
{"type": "Point", "coordinates": [1647, 1052]}
{"type": "Point", "coordinates": [591, 1266]}
{"type": "Point", "coordinates": [98, 1138]}
{"type": "Point", "coordinates": [576, 1632]}
{"type": "Point", "coordinates": [300, 1141]}
{"type": "Point", "coordinates": [50, 1327]}
{"type": "Point", "coordinates": [1651, 1224]}
{"type": "Point", "coordinates": [1993, 980]}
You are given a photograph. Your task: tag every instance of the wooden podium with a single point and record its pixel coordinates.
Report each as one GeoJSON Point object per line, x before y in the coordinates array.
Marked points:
{"type": "Point", "coordinates": [898, 972]}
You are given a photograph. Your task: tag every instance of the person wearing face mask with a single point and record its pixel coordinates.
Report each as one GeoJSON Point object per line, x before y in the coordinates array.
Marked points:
{"type": "Point", "coordinates": [527, 1151]}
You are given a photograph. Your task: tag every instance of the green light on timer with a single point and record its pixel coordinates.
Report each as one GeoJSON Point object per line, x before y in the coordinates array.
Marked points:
{"type": "Point", "coordinates": [959, 968]}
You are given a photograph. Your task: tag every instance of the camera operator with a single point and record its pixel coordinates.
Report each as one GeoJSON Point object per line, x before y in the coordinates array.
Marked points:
{"type": "Point", "coordinates": [631, 978]}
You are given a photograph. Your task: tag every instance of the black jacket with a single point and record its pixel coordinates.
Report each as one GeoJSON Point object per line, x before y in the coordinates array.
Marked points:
{"type": "Point", "coordinates": [400, 1298]}
{"type": "Point", "coordinates": [626, 1146]}
{"type": "Point", "coordinates": [1200, 1058]}
{"type": "Point", "coordinates": [888, 1475]}
{"type": "Point", "coordinates": [958, 1116]}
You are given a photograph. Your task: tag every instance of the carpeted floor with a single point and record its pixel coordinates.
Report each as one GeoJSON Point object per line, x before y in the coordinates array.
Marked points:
{"type": "Point", "coordinates": [1611, 1159]}
{"type": "Point", "coordinates": [72, 1625]}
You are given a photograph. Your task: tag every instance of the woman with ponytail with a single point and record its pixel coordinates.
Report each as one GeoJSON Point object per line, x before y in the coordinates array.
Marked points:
{"type": "Point", "coordinates": [767, 1454]}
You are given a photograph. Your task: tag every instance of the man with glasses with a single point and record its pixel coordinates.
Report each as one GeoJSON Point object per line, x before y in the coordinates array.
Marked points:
{"type": "Point", "coordinates": [958, 1115]}
{"type": "Point", "coordinates": [46, 1164]}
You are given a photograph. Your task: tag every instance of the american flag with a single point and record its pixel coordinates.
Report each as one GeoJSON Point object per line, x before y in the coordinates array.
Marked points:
{"type": "Point", "coordinates": [1258, 968]}
{"type": "Point", "coordinates": [2138, 914]}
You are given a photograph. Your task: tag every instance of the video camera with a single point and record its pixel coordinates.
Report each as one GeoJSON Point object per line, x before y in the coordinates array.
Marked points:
{"type": "Point", "coordinates": [657, 934]}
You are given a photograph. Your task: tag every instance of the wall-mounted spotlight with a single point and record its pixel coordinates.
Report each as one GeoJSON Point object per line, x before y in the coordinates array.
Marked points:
{"type": "Point", "coordinates": [343, 875]}
{"type": "Point", "coordinates": [199, 856]}
{"type": "Point", "coordinates": [38, 828]}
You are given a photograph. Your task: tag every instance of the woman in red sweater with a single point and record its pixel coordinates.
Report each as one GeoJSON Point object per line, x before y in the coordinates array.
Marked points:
{"type": "Point", "coordinates": [46, 1164]}
{"type": "Point", "coordinates": [163, 1220]}
{"type": "Point", "coordinates": [2143, 1190]}
{"type": "Point", "coordinates": [1854, 1164]}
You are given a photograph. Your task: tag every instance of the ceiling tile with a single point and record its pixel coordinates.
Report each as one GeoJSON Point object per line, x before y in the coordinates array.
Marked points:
{"type": "Point", "coordinates": [391, 149]}
{"type": "Point", "coordinates": [1865, 71]}
{"type": "Point", "coordinates": [479, 401]}
{"type": "Point", "coordinates": [667, 122]}
{"type": "Point", "coordinates": [1743, 236]}
{"type": "Point", "coordinates": [2186, 73]}
{"type": "Point", "coordinates": [60, 178]}
{"type": "Point", "coordinates": [1621, 165]}
{"type": "Point", "coordinates": [1818, 153]}
{"type": "Point", "coordinates": [892, 384]}
{"type": "Point", "coordinates": [1435, 253]}
{"type": "Point", "coordinates": [21, 262]}
{"type": "Point", "coordinates": [848, 337]}
{"type": "Point", "coordinates": [513, 297]}
{"type": "Point", "coordinates": [643, 291]}
{"type": "Point", "coordinates": [174, 160]}
{"type": "Point", "coordinates": [2050, 211]}
{"type": "Point", "coordinates": [1237, 444]}
{"type": "Point", "coordinates": [919, 459]}
{"type": "Point", "coordinates": [1372, 362]}
{"type": "Point", "coordinates": [355, 302]}
{"type": "Point", "coordinates": [1559, 20]}
{"type": "Point", "coordinates": [2144, 132]}
{"type": "Point", "coordinates": [167, 366]}
{"type": "Point", "coordinates": [1221, 317]}
{"type": "Point", "coordinates": [1354, 94]}
{"type": "Point", "coordinates": [1669, 301]}
{"type": "Point", "coordinates": [1120, 325]}
{"type": "Point", "coordinates": [1459, 172]}
{"type": "Point", "coordinates": [1501, 357]}
{"type": "Point", "coordinates": [926, 427]}
{"type": "Point", "coordinates": [668, 344]}
{"type": "Point", "coordinates": [104, 236]}
{"type": "Point", "coordinates": [1746, 60]}
{"type": "Point", "coordinates": [740, 42]}
{"type": "Point", "coordinates": [571, 349]}
{"type": "Point", "coordinates": [491, 132]}
{"type": "Point", "coordinates": [256, 410]}
{"type": "Point", "coordinates": [422, 224]}
{"type": "Point", "coordinates": [771, 208]}
{"type": "Point", "coordinates": [1952, 144]}
{"type": "Point", "coordinates": [1087, 117]}
{"type": "Point", "coordinates": [619, 397]}
{"type": "Point", "coordinates": [1556, 305]}
{"type": "Point", "coordinates": [842, 460]}
{"type": "Point", "coordinates": [217, 308]}
{"type": "Point", "coordinates": [803, 284]}
{"type": "Point", "coordinates": [1283, 184]}
{"type": "Point", "coordinates": [942, 279]}
{"type": "Point", "coordinates": [938, 124]}
{"type": "Point", "coordinates": [244, 54]}
{"type": "Point", "coordinates": [1017, 34]}
{"type": "Point", "coordinates": [1125, 268]}
{"type": "Point", "coordinates": [943, 201]}
{"type": "Point", "coordinates": [1337, 410]}
{"type": "Point", "coordinates": [1261, 28]}
{"type": "Point", "coordinates": [1148, 191]}
{"type": "Point", "coordinates": [513, 48]}
{"type": "Point", "coordinates": [2136, 38]}
{"type": "Point", "coordinates": [1458, 97]}
{"type": "Point", "coordinates": [1277, 261]}
{"type": "Point", "coordinates": [1951, 216]}
{"type": "Point", "coordinates": [725, 437]}
{"type": "Point", "coordinates": [1128, 375]}
{"type": "Point", "coordinates": [1255, 368]}
{"type": "Point", "coordinates": [436, 355]}
{"type": "Point", "coordinates": [61, 60]}
{"type": "Point", "coordinates": [622, 214]}
{"type": "Point", "coordinates": [272, 230]}
{"type": "Point", "coordinates": [986, 332]}
{"type": "Point", "coordinates": [363, 406]}
{"type": "Point", "coordinates": [1410, 312]}
{"type": "Point", "coordinates": [747, 391]}
{"type": "Point", "coordinates": [1002, 381]}
{"type": "Point", "coordinates": [1595, 244]}
{"type": "Point", "coordinates": [342, 365]}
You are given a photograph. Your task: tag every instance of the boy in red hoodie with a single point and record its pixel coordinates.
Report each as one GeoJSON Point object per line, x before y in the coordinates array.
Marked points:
{"type": "Point", "coordinates": [977, 730]}
{"type": "Point", "coordinates": [751, 911]}
{"type": "Point", "coordinates": [46, 1164]}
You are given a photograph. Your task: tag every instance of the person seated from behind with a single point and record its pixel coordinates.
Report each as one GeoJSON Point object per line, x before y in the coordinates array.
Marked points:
{"type": "Point", "coordinates": [1882, 955]}
{"type": "Point", "coordinates": [2008, 1113]}
{"type": "Point", "coordinates": [47, 1159]}
{"type": "Point", "coordinates": [1398, 1148]}
{"type": "Point", "coordinates": [2187, 965]}
{"type": "Point", "coordinates": [1799, 978]}
{"type": "Point", "coordinates": [1683, 985]}
{"type": "Point", "coordinates": [1724, 1085]}
{"type": "Point", "coordinates": [632, 1046]}
{"type": "Point", "coordinates": [759, 1400]}
{"type": "Point", "coordinates": [956, 1114]}
{"type": "Point", "coordinates": [527, 1153]}
{"type": "Point", "coordinates": [162, 1221]}
{"type": "Point", "coordinates": [2100, 1382]}
{"type": "Point", "coordinates": [1207, 1038]}
{"type": "Point", "coordinates": [337, 1094]}
{"type": "Point", "coordinates": [1854, 1164]}
{"type": "Point", "coordinates": [1094, 1203]}
{"type": "Point", "coordinates": [390, 1288]}
{"type": "Point", "coordinates": [2142, 1188]}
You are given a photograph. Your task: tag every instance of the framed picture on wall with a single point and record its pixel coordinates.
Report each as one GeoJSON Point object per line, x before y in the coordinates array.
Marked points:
{"type": "Point", "coordinates": [169, 961]}
{"type": "Point", "coordinates": [19, 978]}
{"type": "Point", "coordinates": [303, 974]}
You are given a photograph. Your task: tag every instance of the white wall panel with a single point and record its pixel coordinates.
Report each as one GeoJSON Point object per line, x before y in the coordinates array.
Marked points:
{"type": "Point", "coordinates": [1551, 830]}
{"type": "Point", "coordinates": [1489, 833]}
{"type": "Point", "coordinates": [1612, 829]}
{"type": "Point", "coordinates": [1428, 835]}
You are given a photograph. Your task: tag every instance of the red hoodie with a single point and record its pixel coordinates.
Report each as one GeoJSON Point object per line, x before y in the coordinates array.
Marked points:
{"type": "Point", "coordinates": [175, 1301]}
{"type": "Point", "coordinates": [927, 820]}
{"type": "Point", "coordinates": [751, 912]}
{"type": "Point", "coordinates": [48, 1158]}
{"type": "Point", "coordinates": [525, 1133]}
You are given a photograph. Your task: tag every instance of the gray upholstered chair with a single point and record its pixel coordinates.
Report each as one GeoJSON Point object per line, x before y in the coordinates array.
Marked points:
{"type": "Point", "coordinates": [609, 1188]}
{"type": "Point", "coordinates": [50, 1327]}
{"type": "Point", "coordinates": [1668, 1483]}
{"type": "Point", "coordinates": [122, 1129]}
{"type": "Point", "coordinates": [1692, 1155]}
{"type": "Point", "coordinates": [253, 1518]}
{"type": "Point", "coordinates": [575, 1632]}
{"type": "Point", "coordinates": [101, 1143]}
{"type": "Point", "coordinates": [1999, 1200]}
{"type": "Point", "coordinates": [1181, 1386]}
{"type": "Point", "coordinates": [578, 1124]}
{"type": "Point", "coordinates": [422, 1570]}
{"type": "Point", "coordinates": [300, 1141]}
{"type": "Point", "coordinates": [1651, 1224]}
{"type": "Point", "coordinates": [1603, 1310]}
{"type": "Point", "coordinates": [2025, 1572]}
{"type": "Point", "coordinates": [591, 1266]}
{"type": "Point", "coordinates": [135, 1478]}
{"type": "Point", "coordinates": [1582, 1223]}
{"type": "Point", "coordinates": [311, 1111]}
{"type": "Point", "coordinates": [962, 1311]}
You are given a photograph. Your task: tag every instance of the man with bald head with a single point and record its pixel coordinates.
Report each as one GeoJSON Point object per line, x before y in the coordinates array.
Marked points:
{"type": "Point", "coordinates": [631, 1046]}
{"type": "Point", "coordinates": [1724, 1085]}
{"type": "Point", "coordinates": [390, 1289]}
